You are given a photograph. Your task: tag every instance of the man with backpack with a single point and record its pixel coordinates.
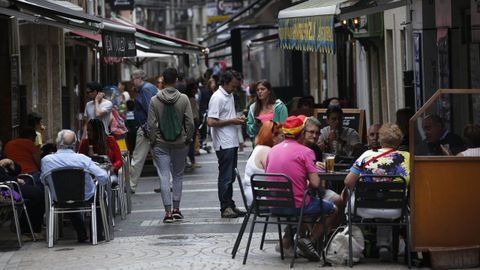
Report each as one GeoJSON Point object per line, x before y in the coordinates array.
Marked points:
{"type": "Point", "coordinates": [170, 124]}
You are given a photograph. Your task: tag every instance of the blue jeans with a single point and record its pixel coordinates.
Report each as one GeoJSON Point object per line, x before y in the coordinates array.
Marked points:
{"type": "Point", "coordinates": [227, 162]}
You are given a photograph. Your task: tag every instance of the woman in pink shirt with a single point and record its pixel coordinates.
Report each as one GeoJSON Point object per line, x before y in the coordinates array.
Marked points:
{"type": "Point", "coordinates": [266, 108]}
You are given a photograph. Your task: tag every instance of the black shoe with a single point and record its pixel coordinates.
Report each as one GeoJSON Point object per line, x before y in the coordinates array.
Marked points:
{"type": "Point", "coordinates": [168, 218]}
{"type": "Point", "coordinates": [308, 250]}
{"type": "Point", "coordinates": [157, 190]}
{"type": "Point", "coordinates": [82, 237]}
{"type": "Point", "coordinates": [229, 213]}
{"type": "Point", "coordinates": [239, 212]}
{"type": "Point", "coordinates": [177, 215]}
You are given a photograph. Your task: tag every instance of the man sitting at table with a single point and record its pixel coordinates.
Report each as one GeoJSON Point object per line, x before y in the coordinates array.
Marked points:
{"type": "Point", "coordinates": [66, 157]}
{"type": "Point", "coordinates": [304, 174]}
{"type": "Point", "coordinates": [337, 139]}
{"type": "Point", "coordinates": [439, 140]}
{"type": "Point", "coordinates": [386, 161]}
{"type": "Point", "coordinates": [372, 140]}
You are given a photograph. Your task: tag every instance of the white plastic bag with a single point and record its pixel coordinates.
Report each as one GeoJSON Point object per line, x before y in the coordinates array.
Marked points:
{"type": "Point", "coordinates": [336, 250]}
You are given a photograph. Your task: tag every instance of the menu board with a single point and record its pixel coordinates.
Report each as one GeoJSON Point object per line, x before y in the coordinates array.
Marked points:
{"type": "Point", "coordinates": [352, 118]}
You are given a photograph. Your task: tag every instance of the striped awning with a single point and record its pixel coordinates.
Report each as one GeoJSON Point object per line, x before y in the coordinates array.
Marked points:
{"type": "Point", "coordinates": [309, 26]}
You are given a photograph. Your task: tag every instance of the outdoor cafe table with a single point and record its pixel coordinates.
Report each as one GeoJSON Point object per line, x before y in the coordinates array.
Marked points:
{"type": "Point", "coordinates": [334, 180]}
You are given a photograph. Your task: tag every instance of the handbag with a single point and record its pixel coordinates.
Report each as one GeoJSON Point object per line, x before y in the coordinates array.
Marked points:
{"type": "Point", "coordinates": [336, 250]}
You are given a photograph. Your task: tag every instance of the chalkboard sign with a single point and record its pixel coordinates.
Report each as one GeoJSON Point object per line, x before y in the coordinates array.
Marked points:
{"type": "Point", "coordinates": [352, 118]}
{"type": "Point", "coordinates": [118, 44]}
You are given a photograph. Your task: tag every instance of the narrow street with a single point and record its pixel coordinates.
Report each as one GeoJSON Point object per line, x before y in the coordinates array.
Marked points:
{"type": "Point", "coordinates": [142, 241]}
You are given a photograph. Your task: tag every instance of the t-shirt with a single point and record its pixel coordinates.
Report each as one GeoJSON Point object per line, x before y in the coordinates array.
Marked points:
{"type": "Point", "coordinates": [221, 106]}
{"type": "Point", "coordinates": [300, 160]}
{"type": "Point", "coordinates": [105, 105]}
{"type": "Point", "coordinates": [23, 151]}
{"type": "Point", "coordinates": [394, 163]}
{"type": "Point", "coordinates": [349, 135]}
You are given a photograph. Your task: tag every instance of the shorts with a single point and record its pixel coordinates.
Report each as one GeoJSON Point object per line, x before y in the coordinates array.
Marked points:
{"type": "Point", "coordinates": [313, 208]}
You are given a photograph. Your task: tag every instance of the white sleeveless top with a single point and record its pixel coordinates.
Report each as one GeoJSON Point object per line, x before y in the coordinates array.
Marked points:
{"type": "Point", "coordinates": [250, 169]}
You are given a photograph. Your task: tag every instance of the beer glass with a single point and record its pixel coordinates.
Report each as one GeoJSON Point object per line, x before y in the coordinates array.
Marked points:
{"type": "Point", "coordinates": [329, 161]}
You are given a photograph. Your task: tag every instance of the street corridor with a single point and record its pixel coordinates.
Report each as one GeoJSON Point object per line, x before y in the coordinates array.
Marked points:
{"type": "Point", "coordinates": [142, 241]}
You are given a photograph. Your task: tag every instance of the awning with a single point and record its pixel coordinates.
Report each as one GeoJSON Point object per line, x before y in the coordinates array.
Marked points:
{"type": "Point", "coordinates": [50, 13]}
{"type": "Point", "coordinates": [94, 37]}
{"type": "Point", "coordinates": [152, 41]}
{"type": "Point", "coordinates": [309, 26]}
{"type": "Point", "coordinates": [364, 7]}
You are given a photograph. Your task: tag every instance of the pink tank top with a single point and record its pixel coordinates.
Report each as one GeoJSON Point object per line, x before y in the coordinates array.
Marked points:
{"type": "Point", "coordinates": [265, 117]}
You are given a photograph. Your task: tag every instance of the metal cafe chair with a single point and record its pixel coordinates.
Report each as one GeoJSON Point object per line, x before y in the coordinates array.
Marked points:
{"type": "Point", "coordinates": [388, 193]}
{"type": "Point", "coordinates": [68, 186]}
{"type": "Point", "coordinates": [17, 208]}
{"type": "Point", "coordinates": [245, 219]}
{"type": "Point", "coordinates": [272, 190]}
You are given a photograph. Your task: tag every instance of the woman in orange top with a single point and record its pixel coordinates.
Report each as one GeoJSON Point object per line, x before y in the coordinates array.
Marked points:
{"type": "Point", "coordinates": [98, 143]}
{"type": "Point", "coordinates": [23, 151]}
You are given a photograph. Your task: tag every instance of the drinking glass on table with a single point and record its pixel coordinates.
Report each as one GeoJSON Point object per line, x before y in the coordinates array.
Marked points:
{"type": "Point", "coordinates": [329, 161]}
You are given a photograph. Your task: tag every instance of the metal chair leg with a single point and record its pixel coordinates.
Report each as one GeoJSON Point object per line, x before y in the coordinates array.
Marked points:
{"type": "Point", "coordinates": [279, 239]}
{"type": "Point", "coordinates": [28, 221]}
{"type": "Point", "coordinates": [94, 224]}
{"type": "Point", "coordinates": [103, 213]}
{"type": "Point", "coordinates": [51, 224]}
{"type": "Point", "coordinates": [17, 224]}
{"type": "Point", "coordinates": [240, 233]}
{"type": "Point", "coordinates": [263, 234]}
{"type": "Point", "coordinates": [249, 239]}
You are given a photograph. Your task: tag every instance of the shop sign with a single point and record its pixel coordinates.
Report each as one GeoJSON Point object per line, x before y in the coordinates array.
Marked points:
{"type": "Point", "coordinates": [121, 4]}
{"type": "Point", "coordinates": [314, 34]}
{"type": "Point", "coordinates": [118, 44]}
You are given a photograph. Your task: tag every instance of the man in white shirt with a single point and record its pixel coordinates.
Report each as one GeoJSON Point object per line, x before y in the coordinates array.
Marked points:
{"type": "Point", "coordinates": [223, 120]}
{"type": "Point", "coordinates": [98, 106]}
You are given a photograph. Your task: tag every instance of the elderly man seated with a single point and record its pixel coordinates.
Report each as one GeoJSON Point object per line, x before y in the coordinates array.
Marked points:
{"type": "Point", "coordinates": [387, 160]}
{"type": "Point", "coordinates": [304, 174]}
{"type": "Point", "coordinates": [438, 139]}
{"type": "Point", "coordinates": [66, 157]}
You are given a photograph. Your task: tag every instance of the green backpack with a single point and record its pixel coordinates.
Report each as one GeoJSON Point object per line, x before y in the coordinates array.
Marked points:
{"type": "Point", "coordinates": [170, 125]}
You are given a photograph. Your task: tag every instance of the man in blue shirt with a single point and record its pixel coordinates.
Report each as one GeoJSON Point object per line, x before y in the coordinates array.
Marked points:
{"type": "Point", "coordinates": [67, 157]}
{"type": "Point", "coordinates": [145, 92]}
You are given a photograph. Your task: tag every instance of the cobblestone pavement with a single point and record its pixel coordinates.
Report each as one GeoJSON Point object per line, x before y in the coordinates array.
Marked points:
{"type": "Point", "coordinates": [142, 241]}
